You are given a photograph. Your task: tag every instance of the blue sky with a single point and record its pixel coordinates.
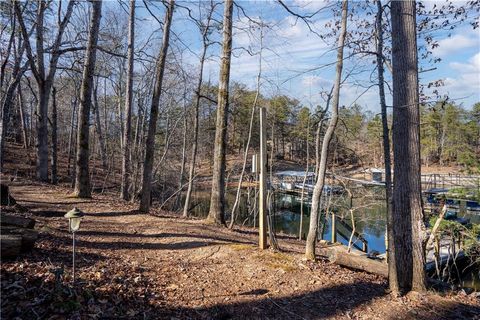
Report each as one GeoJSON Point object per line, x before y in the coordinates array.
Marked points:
{"type": "Point", "coordinates": [291, 50]}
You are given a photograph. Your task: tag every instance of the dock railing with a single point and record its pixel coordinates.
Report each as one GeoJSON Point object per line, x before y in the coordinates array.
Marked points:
{"type": "Point", "coordinates": [336, 222]}
{"type": "Point", "coordinates": [436, 180]}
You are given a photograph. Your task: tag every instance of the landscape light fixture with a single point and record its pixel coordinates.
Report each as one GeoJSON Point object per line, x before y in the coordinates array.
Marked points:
{"type": "Point", "coordinates": [74, 218]}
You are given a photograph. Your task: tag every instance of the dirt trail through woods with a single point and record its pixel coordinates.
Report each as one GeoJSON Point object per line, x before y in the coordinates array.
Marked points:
{"type": "Point", "coordinates": [134, 265]}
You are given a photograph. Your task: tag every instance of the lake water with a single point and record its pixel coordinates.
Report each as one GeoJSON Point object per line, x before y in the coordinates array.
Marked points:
{"type": "Point", "coordinates": [370, 220]}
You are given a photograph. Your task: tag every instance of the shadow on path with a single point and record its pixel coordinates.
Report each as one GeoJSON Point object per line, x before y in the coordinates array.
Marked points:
{"type": "Point", "coordinates": [163, 235]}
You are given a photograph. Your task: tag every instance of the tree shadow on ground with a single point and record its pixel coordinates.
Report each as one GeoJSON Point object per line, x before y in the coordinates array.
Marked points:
{"type": "Point", "coordinates": [63, 239]}
{"type": "Point", "coordinates": [323, 303]}
{"type": "Point", "coordinates": [27, 203]}
{"type": "Point", "coordinates": [162, 235]}
{"type": "Point", "coordinates": [55, 256]}
{"type": "Point", "coordinates": [443, 311]}
{"type": "Point", "coordinates": [122, 245]}
{"type": "Point", "coordinates": [121, 303]}
{"type": "Point", "coordinates": [255, 232]}
{"type": "Point", "coordinates": [48, 213]}
{"type": "Point", "coordinates": [113, 213]}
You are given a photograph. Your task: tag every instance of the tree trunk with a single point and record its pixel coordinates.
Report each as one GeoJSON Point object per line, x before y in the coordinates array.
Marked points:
{"type": "Point", "coordinates": [82, 177]}
{"type": "Point", "coordinates": [318, 189]}
{"type": "Point", "coordinates": [300, 229]}
{"type": "Point", "coordinates": [152, 125]}
{"type": "Point", "coordinates": [216, 213]}
{"type": "Point", "coordinates": [23, 119]}
{"type": "Point", "coordinates": [54, 136]}
{"type": "Point", "coordinates": [407, 213]}
{"type": "Point", "coordinates": [128, 106]}
{"type": "Point", "coordinates": [386, 140]}
{"type": "Point", "coordinates": [98, 127]}
{"type": "Point", "coordinates": [42, 135]}
{"type": "Point", "coordinates": [71, 138]}
{"type": "Point", "coordinates": [318, 133]}
{"type": "Point", "coordinates": [181, 177]}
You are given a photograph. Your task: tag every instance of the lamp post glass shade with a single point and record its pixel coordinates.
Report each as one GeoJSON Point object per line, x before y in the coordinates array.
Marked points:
{"type": "Point", "coordinates": [75, 224]}
{"type": "Point", "coordinates": [74, 217]}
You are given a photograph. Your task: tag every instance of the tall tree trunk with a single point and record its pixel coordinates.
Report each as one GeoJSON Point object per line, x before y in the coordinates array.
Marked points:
{"type": "Point", "coordinates": [82, 177]}
{"type": "Point", "coordinates": [42, 135]}
{"type": "Point", "coordinates": [71, 145]}
{"type": "Point", "coordinates": [181, 177]}
{"type": "Point", "coordinates": [22, 118]}
{"type": "Point", "coordinates": [128, 106]}
{"type": "Point", "coordinates": [54, 136]}
{"type": "Point", "coordinates": [409, 232]}
{"type": "Point", "coordinates": [98, 128]}
{"type": "Point", "coordinates": [216, 213]}
{"type": "Point", "coordinates": [386, 141]}
{"type": "Point", "coordinates": [300, 229]}
{"type": "Point", "coordinates": [318, 189]}
{"type": "Point", "coordinates": [152, 125]}
{"type": "Point", "coordinates": [319, 131]}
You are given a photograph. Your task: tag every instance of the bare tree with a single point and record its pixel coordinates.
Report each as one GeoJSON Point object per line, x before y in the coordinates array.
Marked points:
{"type": "Point", "coordinates": [250, 127]}
{"type": "Point", "coordinates": [205, 28]}
{"type": "Point", "coordinates": [8, 97]}
{"type": "Point", "coordinates": [128, 106]}
{"type": "Point", "coordinates": [216, 213]}
{"type": "Point", "coordinates": [318, 189]}
{"type": "Point", "coordinates": [152, 125]}
{"type": "Point", "coordinates": [44, 80]}
{"type": "Point", "coordinates": [408, 255]}
{"type": "Point", "coordinates": [82, 177]}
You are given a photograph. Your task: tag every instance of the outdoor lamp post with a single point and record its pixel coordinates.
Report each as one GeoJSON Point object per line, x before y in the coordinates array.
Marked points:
{"type": "Point", "coordinates": [74, 217]}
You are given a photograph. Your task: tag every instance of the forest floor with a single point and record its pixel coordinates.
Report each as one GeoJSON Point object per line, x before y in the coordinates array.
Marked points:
{"type": "Point", "coordinates": [159, 266]}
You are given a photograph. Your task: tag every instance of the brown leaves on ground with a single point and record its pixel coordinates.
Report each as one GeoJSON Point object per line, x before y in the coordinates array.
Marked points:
{"type": "Point", "coordinates": [132, 265]}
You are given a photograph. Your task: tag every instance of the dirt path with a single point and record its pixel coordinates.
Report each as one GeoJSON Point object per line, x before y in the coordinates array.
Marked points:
{"type": "Point", "coordinates": [133, 265]}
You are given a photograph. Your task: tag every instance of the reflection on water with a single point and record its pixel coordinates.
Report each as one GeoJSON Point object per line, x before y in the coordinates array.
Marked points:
{"type": "Point", "coordinates": [369, 222]}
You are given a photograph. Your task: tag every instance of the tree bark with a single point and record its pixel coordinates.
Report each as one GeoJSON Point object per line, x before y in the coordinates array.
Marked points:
{"type": "Point", "coordinates": [23, 119]}
{"type": "Point", "coordinates": [82, 177]}
{"type": "Point", "coordinates": [152, 125]}
{"type": "Point", "coordinates": [302, 196]}
{"type": "Point", "coordinates": [318, 189]}
{"type": "Point", "coordinates": [98, 127]}
{"type": "Point", "coordinates": [407, 212]}
{"type": "Point", "coordinates": [71, 138]}
{"type": "Point", "coordinates": [216, 213]}
{"type": "Point", "coordinates": [181, 176]}
{"type": "Point", "coordinates": [128, 106]}
{"type": "Point", "coordinates": [386, 140]}
{"type": "Point", "coordinates": [54, 136]}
